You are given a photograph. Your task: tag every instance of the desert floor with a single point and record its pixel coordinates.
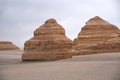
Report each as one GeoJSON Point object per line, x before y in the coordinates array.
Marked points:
{"type": "Point", "coordinates": [104, 66]}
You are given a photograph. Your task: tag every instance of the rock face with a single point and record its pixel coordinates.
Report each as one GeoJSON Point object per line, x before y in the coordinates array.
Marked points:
{"type": "Point", "coordinates": [7, 45]}
{"type": "Point", "coordinates": [95, 32]}
{"type": "Point", "coordinates": [49, 43]}
{"type": "Point", "coordinates": [112, 45]}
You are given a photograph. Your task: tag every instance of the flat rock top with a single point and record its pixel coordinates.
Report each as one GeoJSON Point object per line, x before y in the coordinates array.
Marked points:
{"type": "Point", "coordinates": [5, 42]}
{"type": "Point", "coordinates": [7, 45]}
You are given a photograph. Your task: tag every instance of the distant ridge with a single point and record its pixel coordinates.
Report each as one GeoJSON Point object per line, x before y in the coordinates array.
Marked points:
{"type": "Point", "coordinates": [7, 45]}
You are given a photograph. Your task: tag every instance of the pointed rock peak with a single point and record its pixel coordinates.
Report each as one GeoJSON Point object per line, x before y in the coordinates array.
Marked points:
{"type": "Point", "coordinates": [96, 21]}
{"type": "Point", "coordinates": [97, 17]}
{"type": "Point", "coordinates": [51, 20]}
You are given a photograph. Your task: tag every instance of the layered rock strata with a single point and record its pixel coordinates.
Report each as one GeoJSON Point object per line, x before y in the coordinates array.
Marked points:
{"type": "Point", "coordinates": [112, 45]}
{"type": "Point", "coordinates": [95, 32]}
{"type": "Point", "coordinates": [48, 43]}
{"type": "Point", "coordinates": [7, 45]}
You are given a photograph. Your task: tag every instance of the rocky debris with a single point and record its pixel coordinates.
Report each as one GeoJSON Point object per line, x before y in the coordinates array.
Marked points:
{"type": "Point", "coordinates": [48, 43]}
{"type": "Point", "coordinates": [7, 45]}
{"type": "Point", "coordinates": [95, 32]}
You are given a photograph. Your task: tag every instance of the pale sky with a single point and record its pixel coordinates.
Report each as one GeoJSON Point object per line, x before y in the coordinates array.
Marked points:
{"type": "Point", "coordinates": [19, 18]}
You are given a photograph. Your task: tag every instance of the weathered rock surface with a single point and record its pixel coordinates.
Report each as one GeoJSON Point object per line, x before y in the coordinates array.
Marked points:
{"type": "Point", "coordinates": [112, 45]}
{"type": "Point", "coordinates": [7, 45]}
{"type": "Point", "coordinates": [95, 32]}
{"type": "Point", "coordinates": [49, 43]}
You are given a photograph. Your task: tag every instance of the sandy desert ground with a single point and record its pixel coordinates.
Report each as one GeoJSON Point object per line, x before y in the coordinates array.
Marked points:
{"type": "Point", "coordinates": [105, 66]}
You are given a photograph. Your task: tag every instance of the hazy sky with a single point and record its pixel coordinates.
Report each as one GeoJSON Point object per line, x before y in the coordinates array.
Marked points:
{"type": "Point", "coordinates": [19, 18]}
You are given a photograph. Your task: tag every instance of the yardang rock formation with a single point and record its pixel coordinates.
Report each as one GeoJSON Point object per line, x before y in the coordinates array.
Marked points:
{"type": "Point", "coordinates": [112, 45]}
{"type": "Point", "coordinates": [97, 32]}
{"type": "Point", "coordinates": [7, 45]}
{"type": "Point", "coordinates": [49, 43]}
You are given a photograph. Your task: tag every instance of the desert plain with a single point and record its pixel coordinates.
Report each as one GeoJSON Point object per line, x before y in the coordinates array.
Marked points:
{"type": "Point", "coordinates": [104, 66]}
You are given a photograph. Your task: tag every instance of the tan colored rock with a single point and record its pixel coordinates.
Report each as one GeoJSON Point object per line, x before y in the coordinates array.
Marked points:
{"type": "Point", "coordinates": [96, 31]}
{"type": "Point", "coordinates": [112, 45]}
{"type": "Point", "coordinates": [49, 43]}
{"type": "Point", "coordinates": [7, 45]}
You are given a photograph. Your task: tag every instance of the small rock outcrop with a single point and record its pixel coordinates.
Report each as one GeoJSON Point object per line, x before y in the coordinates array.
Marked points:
{"type": "Point", "coordinates": [48, 43]}
{"type": "Point", "coordinates": [95, 32]}
{"type": "Point", "coordinates": [7, 45]}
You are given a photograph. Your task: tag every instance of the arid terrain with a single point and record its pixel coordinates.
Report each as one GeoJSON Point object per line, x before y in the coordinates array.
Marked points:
{"type": "Point", "coordinates": [104, 66]}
